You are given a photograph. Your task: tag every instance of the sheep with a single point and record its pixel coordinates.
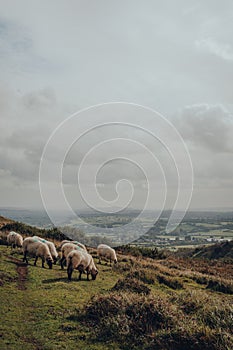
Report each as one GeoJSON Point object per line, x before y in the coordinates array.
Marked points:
{"type": "Point", "coordinates": [66, 249]}
{"type": "Point", "coordinates": [35, 248]}
{"type": "Point", "coordinates": [51, 246]}
{"type": "Point", "coordinates": [106, 252]}
{"type": "Point", "coordinates": [81, 261]}
{"type": "Point", "coordinates": [14, 239]}
{"type": "Point", "coordinates": [74, 242]}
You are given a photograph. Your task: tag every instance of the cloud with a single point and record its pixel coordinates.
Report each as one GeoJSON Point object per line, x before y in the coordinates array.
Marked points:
{"type": "Point", "coordinates": [157, 55]}
{"type": "Point", "coordinates": [211, 46]}
{"type": "Point", "coordinates": [208, 133]}
{"type": "Point", "coordinates": [206, 126]}
{"type": "Point", "coordinates": [27, 121]}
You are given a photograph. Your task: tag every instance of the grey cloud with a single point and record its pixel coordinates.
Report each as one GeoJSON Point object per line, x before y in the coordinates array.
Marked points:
{"type": "Point", "coordinates": [224, 51]}
{"type": "Point", "coordinates": [208, 132]}
{"type": "Point", "coordinates": [27, 122]}
{"type": "Point", "coordinates": [163, 54]}
{"type": "Point", "coordinates": [207, 126]}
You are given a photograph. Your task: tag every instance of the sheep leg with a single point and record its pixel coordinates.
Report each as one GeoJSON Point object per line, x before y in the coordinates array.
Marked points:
{"type": "Point", "coordinates": [80, 274]}
{"type": "Point", "coordinates": [69, 272]}
{"type": "Point", "coordinates": [61, 262]}
{"type": "Point", "coordinates": [25, 257]}
{"type": "Point", "coordinates": [99, 261]}
{"type": "Point", "coordinates": [43, 263]}
{"type": "Point", "coordinates": [35, 260]}
{"type": "Point", "coordinates": [88, 276]}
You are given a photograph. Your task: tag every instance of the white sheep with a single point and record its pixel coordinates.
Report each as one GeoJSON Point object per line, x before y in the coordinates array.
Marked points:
{"type": "Point", "coordinates": [66, 249]}
{"type": "Point", "coordinates": [14, 239]}
{"type": "Point", "coordinates": [51, 246]}
{"type": "Point", "coordinates": [106, 252]}
{"type": "Point", "coordinates": [81, 261]}
{"type": "Point", "coordinates": [35, 248]}
{"type": "Point", "coordinates": [74, 242]}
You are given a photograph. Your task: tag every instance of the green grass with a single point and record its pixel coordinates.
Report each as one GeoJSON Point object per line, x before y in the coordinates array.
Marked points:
{"type": "Point", "coordinates": [156, 304]}
{"type": "Point", "coordinates": [38, 317]}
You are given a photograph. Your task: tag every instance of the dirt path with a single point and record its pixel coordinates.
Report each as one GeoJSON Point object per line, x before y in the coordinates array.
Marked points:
{"type": "Point", "coordinates": [22, 270]}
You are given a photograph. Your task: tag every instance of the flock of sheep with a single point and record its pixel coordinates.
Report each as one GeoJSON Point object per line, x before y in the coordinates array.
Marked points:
{"type": "Point", "coordinates": [73, 253]}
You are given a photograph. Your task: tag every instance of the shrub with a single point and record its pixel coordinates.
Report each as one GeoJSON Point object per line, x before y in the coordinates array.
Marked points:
{"type": "Point", "coordinates": [193, 338]}
{"type": "Point", "coordinates": [132, 285]}
{"type": "Point", "coordinates": [171, 282]}
{"type": "Point", "coordinates": [128, 317]}
{"type": "Point", "coordinates": [27, 230]}
{"type": "Point", "coordinates": [200, 279]}
{"type": "Point", "coordinates": [208, 309]}
{"type": "Point", "coordinates": [144, 275]}
{"type": "Point", "coordinates": [137, 251]}
{"type": "Point", "coordinates": [220, 286]}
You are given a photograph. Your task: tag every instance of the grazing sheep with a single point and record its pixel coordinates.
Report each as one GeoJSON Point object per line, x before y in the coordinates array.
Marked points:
{"type": "Point", "coordinates": [66, 249]}
{"type": "Point", "coordinates": [74, 242]}
{"type": "Point", "coordinates": [81, 261]}
{"type": "Point", "coordinates": [106, 252]}
{"type": "Point", "coordinates": [14, 239]}
{"type": "Point", "coordinates": [35, 248]}
{"type": "Point", "coordinates": [51, 246]}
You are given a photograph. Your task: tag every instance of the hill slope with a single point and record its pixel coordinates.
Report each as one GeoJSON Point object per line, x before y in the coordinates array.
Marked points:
{"type": "Point", "coordinates": [223, 250]}
{"type": "Point", "coordinates": [140, 303]}
{"type": "Point", "coordinates": [4, 221]}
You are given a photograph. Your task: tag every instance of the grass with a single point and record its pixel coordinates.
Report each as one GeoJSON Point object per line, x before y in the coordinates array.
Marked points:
{"type": "Point", "coordinates": [37, 317]}
{"type": "Point", "coordinates": [142, 303]}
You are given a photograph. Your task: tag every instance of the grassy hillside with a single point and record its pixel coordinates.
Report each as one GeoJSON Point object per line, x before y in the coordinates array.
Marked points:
{"type": "Point", "coordinates": [223, 251]}
{"type": "Point", "coordinates": [4, 221]}
{"type": "Point", "coordinates": [143, 302]}
{"type": "Point", "coordinates": [28, 230]}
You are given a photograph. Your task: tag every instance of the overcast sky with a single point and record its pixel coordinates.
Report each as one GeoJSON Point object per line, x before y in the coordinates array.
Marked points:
{"type": "Point", "coordinates": [57, 57]}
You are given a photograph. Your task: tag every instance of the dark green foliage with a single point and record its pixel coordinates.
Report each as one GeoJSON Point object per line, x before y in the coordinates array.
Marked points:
{"type": "Point", "coordinates": [185, 321]}
{"type": "Point", "coordinates": [131, 285]}
{"type": "Point", "coordinates": [223, 251]}
{"type": "Point", "coordinates": [128, 317]}
{"type": "Point", "coordinates": [144, 275]}
{"type": "Point", "coordinates": [220, 286]}
{"type": "Point", "coordinates": [53, 233]}
{"type": "Point", "coordinates": [152, 253]}
{"type": "Point", "coordinates": [200, 279]}
{"type": "Point", "coordinates": [171, 282]}
{"type": "Point", "coordinates": [193, 338]}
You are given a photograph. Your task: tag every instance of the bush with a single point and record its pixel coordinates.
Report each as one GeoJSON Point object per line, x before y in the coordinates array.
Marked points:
{"type": "Point", "coordinates": [193, 338]}
{"type": "Point", "coordinates": [137, 251]}
{"type": "Point", "coordinates": [208, 309]}
{"type": "Point", "coordinates": [128, 317]}
{"type": "Point", "coordinates": [200, 279]}
{"type": "Point", "coordinates": [27, 230]}
{"type": "Point", "coordinates": [171, 282]}
{"type": "Point", "coordinates": [220, 286]}
{"type": "Point", "coordinates": [132, 285]}
{"type": "Point", "coordinates": [152, 322]}
{"type": "Point", "coordinates": [144, 275]}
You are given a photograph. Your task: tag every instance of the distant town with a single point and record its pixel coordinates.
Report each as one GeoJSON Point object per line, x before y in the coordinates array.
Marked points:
{"type": "Point", "coordinates": [197, 228]}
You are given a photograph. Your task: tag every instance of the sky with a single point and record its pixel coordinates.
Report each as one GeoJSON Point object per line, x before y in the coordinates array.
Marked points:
{"type": "Point", "coordinates": [58, 57]}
